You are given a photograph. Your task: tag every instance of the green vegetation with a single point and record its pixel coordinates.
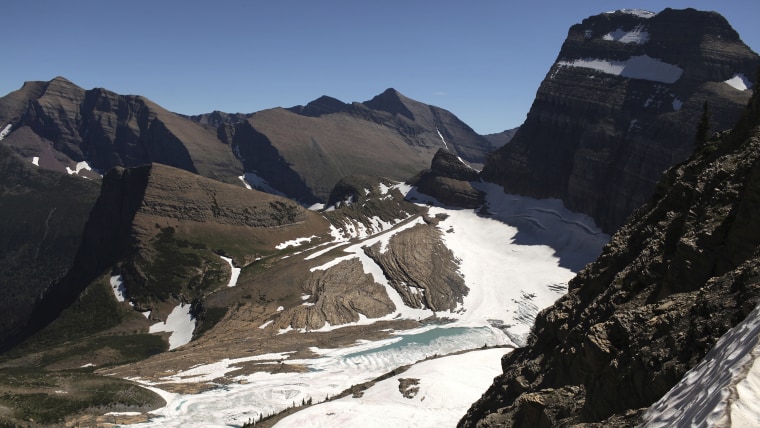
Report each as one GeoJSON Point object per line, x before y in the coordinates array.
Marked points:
{"type": "Point", "coordinates": [173, 267]}
{"type": "Point", "coordinates": [49, 397]}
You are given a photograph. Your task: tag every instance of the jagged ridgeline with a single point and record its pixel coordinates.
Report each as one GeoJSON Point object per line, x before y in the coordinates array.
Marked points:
{"type": "Point", "coordinates": [620, 105]}
{"type": "Point", "coordinates": [682, 271]}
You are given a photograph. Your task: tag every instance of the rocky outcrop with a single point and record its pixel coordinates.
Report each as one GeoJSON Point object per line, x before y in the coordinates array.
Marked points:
{"type": "Point", "coordinates": [448, 179]}
{"type": "Point", "coordinates": [335, 296]}
{"type": "Point", "coordinates": [679, 274]}
{"type": "Point", "coordinates": [620, 105]}
{"type": "Point", "coordinates": [421, 269]}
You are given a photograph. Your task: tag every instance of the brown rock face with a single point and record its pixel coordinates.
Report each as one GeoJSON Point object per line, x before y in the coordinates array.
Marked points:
{"type": "Point", "coordinates": [600, 141]}
{"type": "Point", "coordinates": [106, 130]}
{"type": "Point", "coordinates": [421, 268]}
{"type": "Point", "coordinates": [337, 296]}
{"type": "Point", "coordinates": [679, 274]}
{"type": "Point", "coordinates": [448, 181]}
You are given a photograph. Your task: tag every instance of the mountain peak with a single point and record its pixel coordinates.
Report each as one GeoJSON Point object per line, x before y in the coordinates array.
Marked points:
{"type": "Point", "coordinates": [320, 106]}
{"type": "Point", "coordinates": [391, 101]}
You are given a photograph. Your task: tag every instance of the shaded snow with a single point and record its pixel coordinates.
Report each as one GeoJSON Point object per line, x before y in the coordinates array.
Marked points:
{"type": "Point", "coordinates": [637, 67]}
{"type": "Point", "coordinates": [117, 285]}
{"type": "Point", "coordinates": [637, 35]}
{"type": "Point", "coordinates": [252, 179]}
{"type": "Point", "coordinates": [722, 390]}
{"type": "Point", "coordinates": [5, 131]}
{"type": "Point", "coordinates": [235, 272]}
{"type": "Point", "coordinates": [641, 13]}
{"type": "Point", "coordinates": [677, 104]}
{"type": "Point", "coordinates": [179, 323]}
{"type": "Point", "coordinates": [740, 82]}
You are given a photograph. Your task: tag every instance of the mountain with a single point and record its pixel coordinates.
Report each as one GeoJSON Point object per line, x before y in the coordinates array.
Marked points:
{"type": "Point", "coordinates": [679, 274]}
{"type": "Point", "coordinates": [305, 150]}
{"type": "Point", "coordinates": [620, 105]}
{"type": "Point", "coordinates": [301, 152]}
{"type": "Point", "coordinates": [41, 223]}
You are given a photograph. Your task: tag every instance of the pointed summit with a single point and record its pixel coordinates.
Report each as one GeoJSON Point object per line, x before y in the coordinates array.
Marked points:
{"type": "Point", "coordinates": [391, 101]}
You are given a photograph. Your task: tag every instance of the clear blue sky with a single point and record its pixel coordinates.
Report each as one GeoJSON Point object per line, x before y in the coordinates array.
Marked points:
{"type": "Point", "coordinates": [482, 60]}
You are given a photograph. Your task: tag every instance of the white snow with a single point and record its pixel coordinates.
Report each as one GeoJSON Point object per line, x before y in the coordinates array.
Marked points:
{"type": "Point", "coordinates": [87, 365]}
{"type": "Point", "coordinates": [80, 166]}
{"type": "Point", "coordinates": [740, 82]}
{"type": "Point", "coordinates": [637, 67]}
{"type": "Point", "coordinates": [123, 414]}
{"type": "Point", "coordinates": [5, 131]}
{"type": "Point", "coordinates": [179, 323]}
{"type": "Point", "coordinates": [209, 372]}
{"type": "Point", "coordinates": [295, 242]}
{"type": "Point", "coordinates": [677, 104]}
{"type": "Point", "coordinates": [235, 272]}
{"type": "Point", "coordinates": [117, 285]}
{"type": "Point", "coordinates": [36, 160]}
{"type": "Point", "coordinates": [637, 35]}
{"type": "Point", "coordinates": [316, 207]}
{"type": "Point", "coordinates": [641, 13]}
{"type": "Point", "coordinates": [251, 178]}
{"type": "Point", "coordinates": [266, 324]}
{"type": "Point", "coordinates": [722, 390]}
{"type": "Point", "coordinates": [441, 135]}
{"type": "Point", "coordinates": [447, 388]}
{"type": "Point", "coordinates": [245, 183]}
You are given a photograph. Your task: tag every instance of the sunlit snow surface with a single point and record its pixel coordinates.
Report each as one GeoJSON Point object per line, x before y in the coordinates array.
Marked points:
{"type": "Point", "coordinates": [235, 272]}
{"type": "Point", "coordinates": [722, 390]}
{"type": "Point", "coordinates": [515, 261]}
{"type": "Point", "coordinates": [179, 323]}
{"type": "Point", "coordinates": [5, 131]}
{"type": "Point", "coordinates": [117, 285]}
{"type": "Point", "coordinates": [637, 36]}
{"type": "Point", "coordinates": [80, 166]}
{"type": "Point", "coordinates": [739, 81]}
{"type": "Point", "coordinates": [447, 388]}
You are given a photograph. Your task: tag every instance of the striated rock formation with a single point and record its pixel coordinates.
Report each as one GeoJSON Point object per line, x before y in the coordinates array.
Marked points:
{"type": "Point", "coordinates": [448, 181]}
{"type": "Point", "coordinates": [679, 274]}
{"type": "Point", "coordinates": [63, 125]}
{"type": "Point", "coordinates": [420, 267]}
{"type": "Point", "coordinates": [337, 296]}
{"type": "Point", "coordinates": [620, 105]}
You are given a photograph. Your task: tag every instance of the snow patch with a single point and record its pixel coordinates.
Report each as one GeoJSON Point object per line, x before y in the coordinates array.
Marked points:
{"type": "Point", "coordinates": [637, 35]}
{"type": "Point", "coordinates": [723, 389]}
{"type": "Point", "coordinates": [295, 242]}
{"type": "Point", "coordinates": [117, 285]}
{"type": "Point", "coordinates": [80, 166]}
{"type": "Point", "coordinates": [209, 372]}
{"type": "Point", "coordinates": [179, 323]}
{"type": "Point", "coordinates": [266, 324]}
{"type": "Point", "coordinates": [235, 272]}
{"type": "Point", "coordinates": [36, 161]}
{"type": "Point", "coordinates": [739, 82]}
{"type": "Point", "coordinates": [5, 131]}
{"type": "Point", "coordinates": [441, 135]}
{"type": "Point", "coordinates": [641, 13]}
{"type": "Point", "coordinates": [677, 104]}
{"type": "Point", "coordinates": [637, 67]}
{"type": "Point", "coordinates": [252, 179]}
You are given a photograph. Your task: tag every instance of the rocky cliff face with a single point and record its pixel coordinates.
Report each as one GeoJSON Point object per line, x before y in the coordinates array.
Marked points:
{"type": "Point", "coordinates": [620, 105]}
{"type": "Point", "coordinates": [41, 223]}
{"type": "Point", "coordinates": [63, 125]}
{"type": "Point", "coordinates": [448, 180]}
{"type": "Point", "coordinates": [678, 275]}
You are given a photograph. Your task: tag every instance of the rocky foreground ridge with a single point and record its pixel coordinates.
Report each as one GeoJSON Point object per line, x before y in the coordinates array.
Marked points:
{"type": "Point", "coordinates": [682, 271]}
{"type": "Point", "coordinates": [620, 105]}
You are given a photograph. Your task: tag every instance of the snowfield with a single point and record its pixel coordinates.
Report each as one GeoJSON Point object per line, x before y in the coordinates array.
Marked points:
{"type": "Point", "coordinates": [637, 67]}
{"type": "Point", "coordinates": [515, 261]}
{"type": "Point", "coordinates": [179, 323]}
{"type": "Point", "coordinates": [722, 390]}
{"type": "Point", "coordinates": [446, 389]}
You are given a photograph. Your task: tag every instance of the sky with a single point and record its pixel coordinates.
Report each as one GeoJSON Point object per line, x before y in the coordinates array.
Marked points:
{"type": "Point", "coordinates": [481, 60]}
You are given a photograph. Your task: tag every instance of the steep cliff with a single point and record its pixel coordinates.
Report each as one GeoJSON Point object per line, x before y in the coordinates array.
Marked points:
{"type": "Point", "coordinates": [682, 271]}
{"type": "Point", "coordinates": [620, 105]}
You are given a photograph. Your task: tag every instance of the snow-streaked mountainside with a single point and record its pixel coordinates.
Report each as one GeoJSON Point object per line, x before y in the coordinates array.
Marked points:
{"type": "Point", "coordinates": [515, 261]}
{"type": "Point", "coordinates": [722, 390]}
